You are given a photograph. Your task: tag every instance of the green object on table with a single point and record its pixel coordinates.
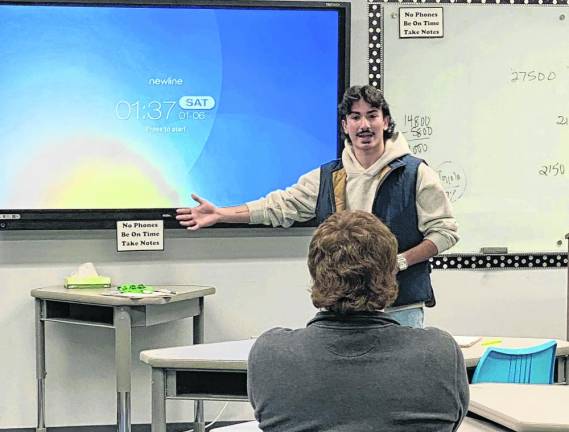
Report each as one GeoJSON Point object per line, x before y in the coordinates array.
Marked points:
{"type": "Point", "coordinates": [135, 289]}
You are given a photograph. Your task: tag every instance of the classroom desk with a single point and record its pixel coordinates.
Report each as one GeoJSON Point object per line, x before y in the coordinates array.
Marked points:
{"type": "Point", "coordinates": [218, 371]}
{"type": "Point", "coordinates": [522, 407]}
{"type": "Point", "coordinates": [476, 425]}
{"type": "Point", "coordinates": [90, 307]}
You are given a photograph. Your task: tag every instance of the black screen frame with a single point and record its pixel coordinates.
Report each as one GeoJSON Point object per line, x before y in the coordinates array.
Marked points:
{"type": "Point", "coordinates": [86, 219]}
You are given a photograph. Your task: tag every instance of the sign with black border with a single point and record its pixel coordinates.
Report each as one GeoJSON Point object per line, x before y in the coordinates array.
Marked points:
{"type": "Point", "coordinates": [140, 235]}
{"type": "Point", "coordinates": [420, 22]}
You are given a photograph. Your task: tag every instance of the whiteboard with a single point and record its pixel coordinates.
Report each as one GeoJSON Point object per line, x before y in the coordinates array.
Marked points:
{"type": "Point", "coordinates": [487, 106]}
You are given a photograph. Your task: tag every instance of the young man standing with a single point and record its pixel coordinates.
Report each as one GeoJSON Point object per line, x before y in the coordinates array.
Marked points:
{"type": "Point", "coordinates": [376, 173]}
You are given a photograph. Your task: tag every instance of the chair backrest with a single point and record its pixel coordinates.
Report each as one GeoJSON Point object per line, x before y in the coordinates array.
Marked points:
{"type": "Point", "coordinates": [533, 365]}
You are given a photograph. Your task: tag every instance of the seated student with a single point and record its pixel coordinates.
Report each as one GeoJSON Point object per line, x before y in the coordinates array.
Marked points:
{"type": "Point", "coordinates": [353, 368]}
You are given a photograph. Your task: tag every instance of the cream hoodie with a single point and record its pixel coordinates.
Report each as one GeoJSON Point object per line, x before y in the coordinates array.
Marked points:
{"type": "Point", "coordinates": [298, 202]}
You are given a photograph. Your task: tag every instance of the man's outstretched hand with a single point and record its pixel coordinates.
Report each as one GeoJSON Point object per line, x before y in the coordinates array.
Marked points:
{"type": "Point", "coordinates": [201, 216]}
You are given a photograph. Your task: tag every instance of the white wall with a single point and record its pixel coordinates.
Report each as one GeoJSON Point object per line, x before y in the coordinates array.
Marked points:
{"type": "Point", "coordinates": [530, 303]}
{"type": "Point", "coordinates": [261, 282]}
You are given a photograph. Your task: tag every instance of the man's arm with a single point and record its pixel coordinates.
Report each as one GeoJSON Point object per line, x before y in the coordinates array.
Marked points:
{"type": "Point", "coordinates": [435, 218]}
{"type": "Point", "coordinates": [296, 203]}
{"type": "Point", "coordinates": [434, 211]}
{"type": "Point", "coordinates": [206, 214]}
{"type": "Point", "coordinates": [422, 252]}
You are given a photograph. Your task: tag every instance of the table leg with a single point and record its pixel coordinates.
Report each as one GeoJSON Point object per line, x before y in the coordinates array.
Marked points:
{"type": "Point", "coordinates": [198, 324]}
{"type": "Point", "coordinates": [123, 352]}
{"type": "Point", "coordinates": [40, 365]}
{"type": "Point", "coordinates": [158, 400]}
{"type": "Point", "coordinates": [199, 423]}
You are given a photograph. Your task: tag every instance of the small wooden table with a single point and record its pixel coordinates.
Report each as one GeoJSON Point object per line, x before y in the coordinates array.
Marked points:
{"type": "Point", "coordinates": [90, 307]}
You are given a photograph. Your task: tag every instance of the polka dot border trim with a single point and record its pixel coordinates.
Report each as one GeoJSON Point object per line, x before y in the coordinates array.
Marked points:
{"type": "Point", "coordinates": [499, 262]}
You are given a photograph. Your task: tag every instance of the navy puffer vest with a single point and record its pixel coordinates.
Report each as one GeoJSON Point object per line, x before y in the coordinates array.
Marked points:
{"type": "Point", "coordinates": [395, 205]}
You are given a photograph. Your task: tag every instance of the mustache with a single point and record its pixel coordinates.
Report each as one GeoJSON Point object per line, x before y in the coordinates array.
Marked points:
{"type": "Point", "coordinates": [365, 132]}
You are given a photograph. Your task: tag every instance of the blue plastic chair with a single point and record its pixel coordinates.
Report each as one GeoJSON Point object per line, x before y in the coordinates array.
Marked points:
{"type": "Point", "coordinates": [533, 365]}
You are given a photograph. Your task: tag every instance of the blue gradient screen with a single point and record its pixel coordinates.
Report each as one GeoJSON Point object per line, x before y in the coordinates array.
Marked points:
{"type": "Point", "coordinates": [138, 107]}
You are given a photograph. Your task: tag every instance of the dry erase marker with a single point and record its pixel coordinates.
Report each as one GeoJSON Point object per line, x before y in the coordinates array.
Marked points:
{"type": "Point", "coordinates": [491, 342]}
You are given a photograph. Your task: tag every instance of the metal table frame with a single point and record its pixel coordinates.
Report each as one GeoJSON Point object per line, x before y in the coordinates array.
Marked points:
{"type": "Point", "coordinates": [166, 385]}
{"type": "Point", "coordinates": [89, 307]}
{"type": "Point", "coordinates": [216, 372]}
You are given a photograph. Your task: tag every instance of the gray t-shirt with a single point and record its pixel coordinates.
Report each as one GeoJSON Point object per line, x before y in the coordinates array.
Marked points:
{"type": "Point", "coordinates": [361, 372]}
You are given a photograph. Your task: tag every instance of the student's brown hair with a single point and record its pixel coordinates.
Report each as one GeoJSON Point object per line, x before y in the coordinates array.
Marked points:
{"type": "Point", "coordinates": [352, 259]}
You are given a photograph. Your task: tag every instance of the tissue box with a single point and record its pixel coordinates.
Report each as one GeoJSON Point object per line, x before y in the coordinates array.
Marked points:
{"type": "Point", "coordinates": [87, 282]}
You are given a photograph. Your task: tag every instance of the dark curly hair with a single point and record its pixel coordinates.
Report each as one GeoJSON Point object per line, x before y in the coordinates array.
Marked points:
{"type": "Point", "coordinates": [372, 96]}
{"type": "Point", "coordinates": [352, 260]}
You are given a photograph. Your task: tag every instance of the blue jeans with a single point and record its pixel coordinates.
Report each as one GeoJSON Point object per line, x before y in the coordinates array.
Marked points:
{"type": "Point", "coordinates": [414, 317]}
